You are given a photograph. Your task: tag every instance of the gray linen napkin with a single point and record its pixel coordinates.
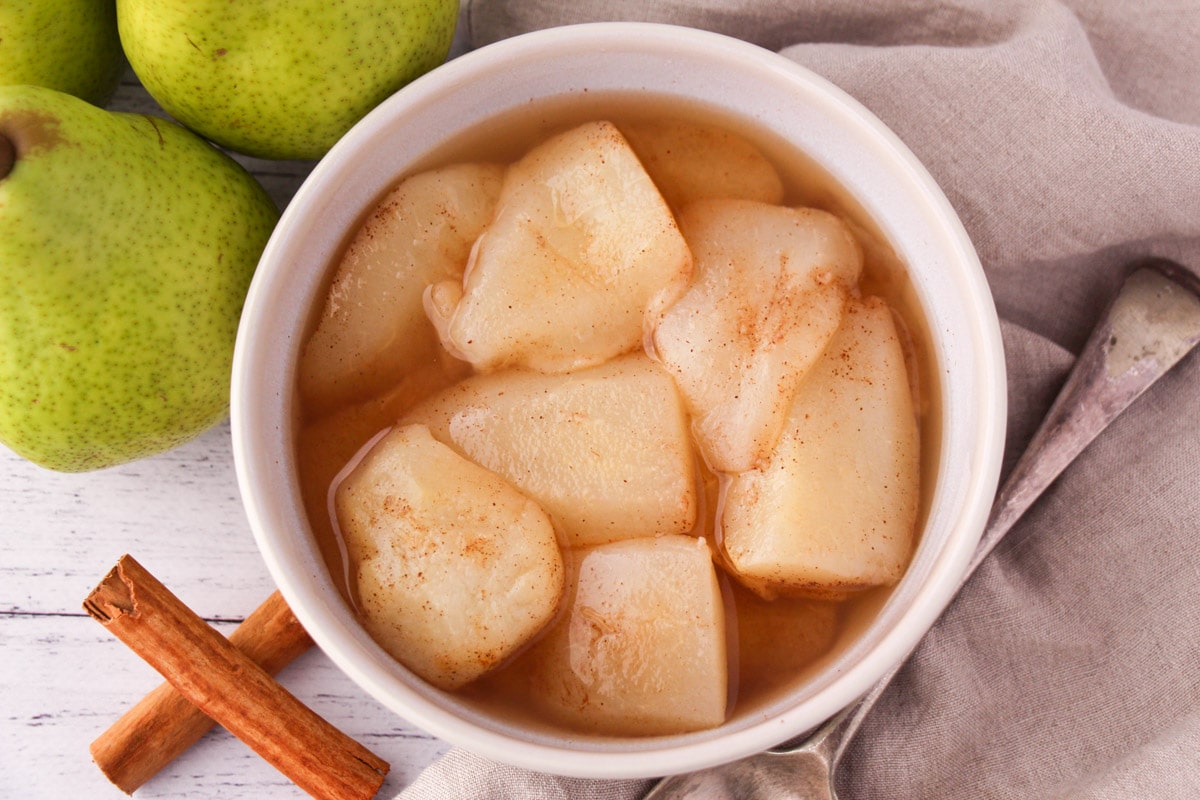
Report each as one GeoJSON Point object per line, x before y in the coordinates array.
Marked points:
{"type": "Point", "coordinates": [1067, 136]}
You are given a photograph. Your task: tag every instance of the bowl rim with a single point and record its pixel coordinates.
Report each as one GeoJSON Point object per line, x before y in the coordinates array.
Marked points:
{"type": "Point", "coordinates": [258, 464]}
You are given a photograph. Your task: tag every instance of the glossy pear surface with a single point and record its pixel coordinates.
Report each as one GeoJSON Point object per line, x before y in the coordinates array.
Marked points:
{"type": "Point", "coordinates": [455, 569]}
{"type": "Point", "coordinates": [280, 80]}
{"type": "Point", "coordinates": [126, 247]}
{"type": "Point", "coordinates": [833, 509]}
{"type": "Point", "coordinates": [640, 649]}
{"type": "Point", "coordinates": [68, 45]}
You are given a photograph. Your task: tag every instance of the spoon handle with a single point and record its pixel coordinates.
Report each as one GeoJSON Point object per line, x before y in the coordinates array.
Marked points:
{"type": "Point", "coordinates": [1151, 323]}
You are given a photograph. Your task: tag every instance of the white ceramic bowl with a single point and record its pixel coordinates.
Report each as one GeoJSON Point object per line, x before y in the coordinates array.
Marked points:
{"type": "Point", "coordinates": [751, 84]}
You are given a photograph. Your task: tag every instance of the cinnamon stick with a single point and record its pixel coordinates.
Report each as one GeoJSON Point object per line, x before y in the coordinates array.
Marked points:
{"type": "Point", "coordinates": [230, 688]}
{"type": "Point", "coordinates": [164, 723]}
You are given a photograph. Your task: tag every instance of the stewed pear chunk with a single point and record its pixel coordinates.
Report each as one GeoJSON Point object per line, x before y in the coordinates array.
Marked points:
{"type": "Point", "coordinates": [690, 162]}
{"type": "Point", "coordinates": [641, 648]}
{"type": "Point", "coordinates": [327, 445]}
{"type": "Point", "coordinates": [373, 330]}
{"type": "Point", "coordinates": [581, 246]}
{"type": "Point", "coordinates": [455, 570]}
{"type": "Point", "coordinates": [834, 508]}
{"type": "Point", "coordinates": [604, 450]}
{"type": "Point", "coordinates": [769, 288]}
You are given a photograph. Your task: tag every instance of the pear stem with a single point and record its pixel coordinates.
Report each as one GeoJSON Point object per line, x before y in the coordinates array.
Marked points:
{"type": "Point", "coordinates": [8, 156]}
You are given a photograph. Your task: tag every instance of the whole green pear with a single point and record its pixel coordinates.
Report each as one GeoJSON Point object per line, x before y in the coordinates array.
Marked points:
{"type": "Point", "coordinates": [280, 80]}
{"type": "Point", "coordinates": [68, 45]}
{"type": "Point", "coordinates": [127, 244]}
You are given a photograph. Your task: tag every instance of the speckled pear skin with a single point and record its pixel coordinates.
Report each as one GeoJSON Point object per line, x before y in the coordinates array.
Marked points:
{"type": "Point", "coordinates": [68, 45]}
{"type": "Point", "coordinates": [280, 80]}
{"type": "Point", "coordinates": [127, 245]}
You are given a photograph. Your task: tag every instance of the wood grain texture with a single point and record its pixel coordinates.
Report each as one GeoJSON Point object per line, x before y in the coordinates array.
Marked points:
{"type": "Point", "coordinates": [181, 514]}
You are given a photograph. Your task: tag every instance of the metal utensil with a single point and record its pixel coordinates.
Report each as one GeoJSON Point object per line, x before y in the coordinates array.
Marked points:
{"type": "Point", "coordinates": [1152, 322]}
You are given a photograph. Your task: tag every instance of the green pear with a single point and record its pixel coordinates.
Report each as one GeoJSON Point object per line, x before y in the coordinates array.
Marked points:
{"type": "Point", "coordinates": [280, 80]}
{"type": "Point", "coordinates": [68, 45]}
{"type": "Point", "coordinates": [127, 244]}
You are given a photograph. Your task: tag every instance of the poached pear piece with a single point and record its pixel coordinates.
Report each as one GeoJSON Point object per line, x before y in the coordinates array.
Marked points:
{"type": "Point", "coordinates": [127, 244]}
{"type": "Point", "coordinates": [455, 570]}
{"type": "Point", "coordinates": [68, 45]}
{"type": "Point", "coordinates": [373, 330]}
{"type": "Point", "coordinates": [326, 445]}
{"type": "Point", "coordinates": [833, 509]}
{"type": "Point", "coordinates": [769, 288]}
{"type": "Point", "coordinates": [582, 245]}
{"type": "Point", "coordinates": [641, 648]}
{"type": "Point", "coordinates": [280, 80]}
{"type": "Point", "coordinates": [605, 451]}
{"type": "Point", "coordinates": [689, 162]}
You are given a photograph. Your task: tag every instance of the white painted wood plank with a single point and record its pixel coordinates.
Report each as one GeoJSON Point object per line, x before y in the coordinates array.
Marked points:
{"type": "Point", "coordinates": [179, 514]}
{"type": "Point", "coordinates": [64, 680]}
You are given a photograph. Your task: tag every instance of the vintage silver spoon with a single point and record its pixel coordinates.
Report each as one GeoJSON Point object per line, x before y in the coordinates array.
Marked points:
{"type": "Point", "coordinates": [1152, 322]}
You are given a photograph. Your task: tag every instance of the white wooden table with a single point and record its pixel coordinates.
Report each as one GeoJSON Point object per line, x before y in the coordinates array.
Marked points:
{"type": "Point", "coordinates": [64, 678]}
